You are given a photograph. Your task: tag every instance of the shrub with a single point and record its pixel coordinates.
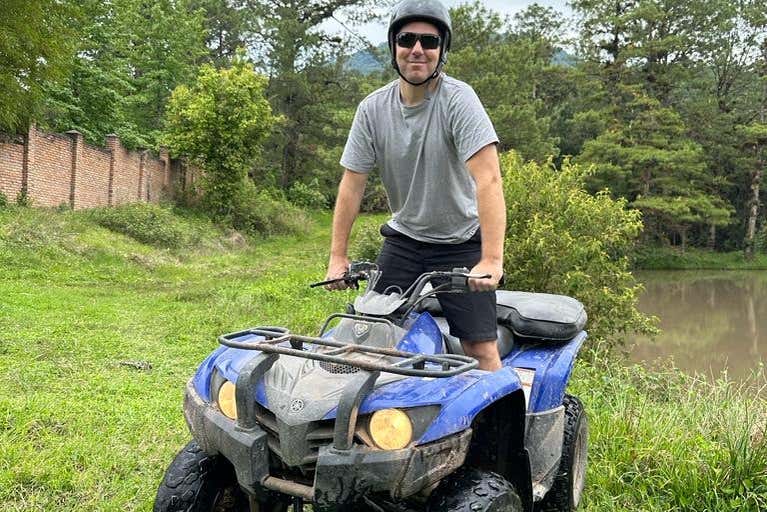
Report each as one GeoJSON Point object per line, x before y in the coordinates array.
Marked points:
{"type": "Point", "coordinates": [147, 223]}
{"type": "Point", "coordinates": [560, 239]}
{"type": "Point", "coordinates": [366, 240]}
{"type": "Point", "coordinates": [308, 196]}
{"type": "Point", "coordinates": [4, 201]}
{"type": "Point", "coordinates": [263, 213]}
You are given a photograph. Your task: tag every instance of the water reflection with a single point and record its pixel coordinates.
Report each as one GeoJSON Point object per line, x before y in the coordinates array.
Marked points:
{"type": "Point", "coordinates": [711, 320]}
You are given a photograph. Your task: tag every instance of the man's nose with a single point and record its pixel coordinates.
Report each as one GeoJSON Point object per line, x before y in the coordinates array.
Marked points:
{"type": "Point", "coordinates": [417, 48]}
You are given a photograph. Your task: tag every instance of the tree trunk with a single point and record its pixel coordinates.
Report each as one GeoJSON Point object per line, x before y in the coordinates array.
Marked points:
{"type": "Point", "coordinates": [712, 237]}
{"type": "Point", "coordinates": [753, 209]}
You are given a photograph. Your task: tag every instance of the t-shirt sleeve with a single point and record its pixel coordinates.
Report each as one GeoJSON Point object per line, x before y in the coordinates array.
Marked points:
{"type": "Point", "coordinates": [359, 153]}
{"type": "Point", "coordinates": [471, 126]}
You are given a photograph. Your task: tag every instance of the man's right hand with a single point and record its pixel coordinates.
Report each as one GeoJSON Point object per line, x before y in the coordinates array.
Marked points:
{"type": "Point", "coordinates": [336, 270]}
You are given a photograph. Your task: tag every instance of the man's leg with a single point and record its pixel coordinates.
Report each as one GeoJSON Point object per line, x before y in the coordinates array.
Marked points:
{"type": "Point", "coordinates": [471, 316]}
{"type": "Point", "coordinates": [400, 261]}
{"type": "Point", "coordinates": [486, 352]}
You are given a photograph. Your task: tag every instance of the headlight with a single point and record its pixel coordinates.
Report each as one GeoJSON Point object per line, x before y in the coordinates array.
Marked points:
{"type": "Point", "coordinates": [226, 400]}
{"type": "Point", "coordinates": [390, 429]}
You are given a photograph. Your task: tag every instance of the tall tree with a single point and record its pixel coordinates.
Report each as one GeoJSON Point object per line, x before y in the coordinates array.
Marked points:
{"type": "Point", "coordinates": [292, 47]}
{"type": "Point", "coordinates": [220, 122]}
{"type": "Point", "coordinates": [229, 25]}
{"type": "Point", "coordinates": [35, 44]}
{"type": "Point", "coordinates": [646, 157]}
{"type": "Point", "coordinates": [129, 57]}
{"type": "Point", "coordinates": [512, 69]}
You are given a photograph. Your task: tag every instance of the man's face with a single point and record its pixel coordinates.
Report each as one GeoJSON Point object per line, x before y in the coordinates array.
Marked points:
{"type": "Point", "coordinates": [416, 63]}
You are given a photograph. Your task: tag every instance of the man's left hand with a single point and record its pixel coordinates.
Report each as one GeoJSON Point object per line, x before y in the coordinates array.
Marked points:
{"type": "Point", "coordinates": [489, 284]}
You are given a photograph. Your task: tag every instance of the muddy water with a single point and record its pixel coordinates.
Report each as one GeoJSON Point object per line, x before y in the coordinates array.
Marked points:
{"type": "Point", "coordinates": [711, 320]}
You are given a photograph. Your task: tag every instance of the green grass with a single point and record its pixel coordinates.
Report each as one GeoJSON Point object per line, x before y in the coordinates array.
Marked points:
{"type": "Point", "coordinates": [664, 258]}
{"type": "Point", "coordinates": [99, 334]}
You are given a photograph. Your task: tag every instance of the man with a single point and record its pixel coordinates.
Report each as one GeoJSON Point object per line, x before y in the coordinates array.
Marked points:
{"type": "Point", "coordinates": [435, 148]}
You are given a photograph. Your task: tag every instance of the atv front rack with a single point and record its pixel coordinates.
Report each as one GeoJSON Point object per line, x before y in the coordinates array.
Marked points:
{"type": "Point", "coordinates": [410, 364]}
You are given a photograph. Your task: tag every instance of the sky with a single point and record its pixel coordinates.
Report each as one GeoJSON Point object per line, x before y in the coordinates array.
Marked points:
{"type": "Point", "coordinates": [376, 32]}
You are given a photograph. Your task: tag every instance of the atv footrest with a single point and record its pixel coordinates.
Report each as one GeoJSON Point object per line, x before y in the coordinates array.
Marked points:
{"type": "Point", "coordinates": [279, 341]}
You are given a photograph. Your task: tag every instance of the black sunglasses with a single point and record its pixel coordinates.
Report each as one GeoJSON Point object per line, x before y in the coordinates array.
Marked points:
{"type": "Point", "coordinates": [428, 41]}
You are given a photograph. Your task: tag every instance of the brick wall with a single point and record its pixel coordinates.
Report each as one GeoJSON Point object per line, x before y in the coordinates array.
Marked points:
{"type": "Point", "coordinates": [55, 169]}
{"type": "Point", "coordinates": [11, 167]}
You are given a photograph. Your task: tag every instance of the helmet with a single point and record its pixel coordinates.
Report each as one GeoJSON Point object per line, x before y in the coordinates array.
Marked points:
{"type": "Point", "coordinates": [431, 11]}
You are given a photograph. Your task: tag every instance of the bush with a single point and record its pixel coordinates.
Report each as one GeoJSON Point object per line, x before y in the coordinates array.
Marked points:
{"type": "Point", "coordinates": [261, 213]}
{"type": "Point", "coordinates": [308, 196]}
{"type": "Point", "coordinates": [366, 241]}
{"type": "Point", "coordinates": [147, 223]}
{"type": "Point", "coordinates": [560, 239]}
{"type": "Point", "coordinates": [4, 201]}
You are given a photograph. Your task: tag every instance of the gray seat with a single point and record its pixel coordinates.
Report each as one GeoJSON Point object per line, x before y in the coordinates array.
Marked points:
{"type": "Point", "coordinates": [453, 344]}
{"type": "Point", "coordinates": [535, 317]}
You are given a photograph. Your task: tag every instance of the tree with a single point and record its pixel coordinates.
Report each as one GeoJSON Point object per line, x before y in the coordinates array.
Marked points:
{"type": "Point", "coordinates": [228, 25]}
{"type": "Point", "coordinates": [646, 157]}
{"type": "Point", "coordinates": [220, 123]}
{"type": "Point", "coordinates": [562, 239]}
{"type": "Point", "coordinates": [35, 44]}
{"type": "Point", "coordinates": [130, 55]}
{"type": "Point", "coordinates": [512, 69]}
{"type": "Point", "coordinates": [304, 68]}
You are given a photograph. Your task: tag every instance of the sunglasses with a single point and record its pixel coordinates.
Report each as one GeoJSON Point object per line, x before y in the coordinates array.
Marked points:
{"type": "Point", "coordinates": [428, 41]}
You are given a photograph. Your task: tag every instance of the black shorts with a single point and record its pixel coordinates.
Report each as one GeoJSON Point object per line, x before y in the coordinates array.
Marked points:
{"type": "Point", "coordinates": [471, 316]}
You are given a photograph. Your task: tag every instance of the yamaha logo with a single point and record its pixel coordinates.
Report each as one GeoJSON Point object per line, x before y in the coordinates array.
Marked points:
{"type": "Point", "coordinates": [361, 329]}
{"type": "Point", "coordinates": [297, 405]}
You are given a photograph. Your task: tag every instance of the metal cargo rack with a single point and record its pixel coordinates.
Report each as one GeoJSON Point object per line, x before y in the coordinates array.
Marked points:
{"type": "Point", "coordinates": [410, 363]}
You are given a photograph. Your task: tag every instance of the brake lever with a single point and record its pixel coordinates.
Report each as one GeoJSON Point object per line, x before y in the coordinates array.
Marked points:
{"type": "Point", "coordinates": [351, 280]}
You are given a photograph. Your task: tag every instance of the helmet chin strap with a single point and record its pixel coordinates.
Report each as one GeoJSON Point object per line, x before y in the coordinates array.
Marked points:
{"type": "Point", "coordinates": [416, 84]}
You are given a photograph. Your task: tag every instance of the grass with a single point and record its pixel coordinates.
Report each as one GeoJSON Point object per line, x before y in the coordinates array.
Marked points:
{"type": "Point", "coordinates": [99, 333]}
{"type": "Point", "coordinates": [666, 258]}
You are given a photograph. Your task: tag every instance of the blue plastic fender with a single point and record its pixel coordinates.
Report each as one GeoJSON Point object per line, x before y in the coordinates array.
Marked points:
{"type": "Point", "coordinates": [553, 363]}
{"type": "Point", "coordinates": [458, 414]}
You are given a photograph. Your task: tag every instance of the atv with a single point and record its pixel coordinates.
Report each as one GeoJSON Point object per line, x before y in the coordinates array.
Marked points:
{"type": "Point", "coordinates": [383, 412]}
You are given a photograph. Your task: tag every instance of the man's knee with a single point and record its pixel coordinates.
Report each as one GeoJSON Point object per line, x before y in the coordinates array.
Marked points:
{"type": "Point", "coordinates": [486, 352]}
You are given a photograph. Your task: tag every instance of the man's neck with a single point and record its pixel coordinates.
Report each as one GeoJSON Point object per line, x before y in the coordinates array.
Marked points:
{"type": "Point", "coordinates": [413, 95]}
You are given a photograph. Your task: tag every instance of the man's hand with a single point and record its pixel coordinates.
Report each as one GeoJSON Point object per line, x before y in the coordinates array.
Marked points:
{"type": "Point", "coordinates": [489, 284]}
{"type": "Point", "coordinates": [336, 270]}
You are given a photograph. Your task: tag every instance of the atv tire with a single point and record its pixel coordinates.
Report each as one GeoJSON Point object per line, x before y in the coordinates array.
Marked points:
{"type": "Point", "coordinates": [197, 482]}
{"type": "Point", "coordinates": [565, 493]}
{"type": "Point", "coordinates": [474, 490]}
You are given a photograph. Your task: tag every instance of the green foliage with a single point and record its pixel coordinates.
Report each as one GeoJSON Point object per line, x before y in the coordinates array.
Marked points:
{"type": "Point", "coordinates": [22, 199]}
{"type": "Point", "coordinates": [509, 86]}
{"type": "Point", "coordinates": [4, 201]}
{"type": "Point", "coordinates": [147, 223]}
{"type": "Point", "coordinates": [220, 122]}
{"type": "Point", "coordinates": [560, 239]}
{"type": "Point", "coordinates": [129, 56]}
{"type": "Point", "coordinates": [264, 213]}
{"type": "Point", "coordinates": [307, 195]}
{"type": "Point", "coordinates": [670, 258]}
{"type": "Point", "coordinates": [661, 440]}
{"type": "Point", "coordinates": [645, 157]}
{"type": "Point", "coordinates": [35, 42]}
{"type": "Point", "coordinates": [366, 240]}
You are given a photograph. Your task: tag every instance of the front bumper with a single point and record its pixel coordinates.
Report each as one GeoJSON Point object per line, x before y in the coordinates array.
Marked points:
{"type": "Point", "coordinates": [341, 476]}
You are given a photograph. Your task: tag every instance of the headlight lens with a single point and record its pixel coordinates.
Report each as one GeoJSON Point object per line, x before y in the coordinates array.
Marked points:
{"type": "Point", "coordinates": [226, 400]}
{"type": "Point", "coordinates": [390, 429]}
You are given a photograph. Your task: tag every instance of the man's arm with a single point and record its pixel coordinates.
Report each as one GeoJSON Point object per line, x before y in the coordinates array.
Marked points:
{"type": "Point", "coordinates": [348, 202]}
{"type": "Point", "coordinates": [486, 171]}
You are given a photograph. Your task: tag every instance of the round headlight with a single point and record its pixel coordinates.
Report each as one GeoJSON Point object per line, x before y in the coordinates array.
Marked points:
{"type": "Point", "coordinates": [390, 429]}
{"type": "Point", "coordinates": [226, 400]}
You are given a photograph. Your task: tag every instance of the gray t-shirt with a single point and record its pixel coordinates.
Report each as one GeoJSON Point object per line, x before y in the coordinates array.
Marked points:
{"type": "Point", "coordinates": [421, 153]}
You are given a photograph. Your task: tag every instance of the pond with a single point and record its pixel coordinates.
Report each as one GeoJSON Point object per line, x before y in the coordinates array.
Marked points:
{"type": "Point", "coordinates": [711, 321]}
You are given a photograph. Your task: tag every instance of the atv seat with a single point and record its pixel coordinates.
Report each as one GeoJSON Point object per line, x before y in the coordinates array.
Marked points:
{"type": "Point", "coordinates": [528, 317]}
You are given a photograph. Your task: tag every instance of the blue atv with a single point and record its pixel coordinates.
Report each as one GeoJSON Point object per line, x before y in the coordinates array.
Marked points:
{"type": "Point", "coordinates": [383, 412]}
